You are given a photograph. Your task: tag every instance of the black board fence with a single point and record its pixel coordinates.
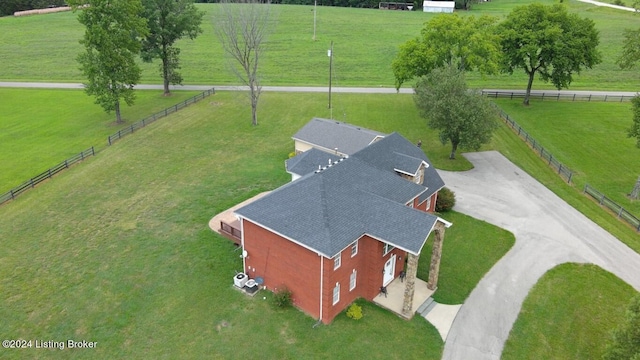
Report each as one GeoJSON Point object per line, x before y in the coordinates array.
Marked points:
{"type": "Point", "coordinates": [31, 183]}
{"type": "Point", "coordinates": [557, 96]}
{"type": "Point", "coordinates": [149, 119]}
{"type": "Point", "coordinates": [621, 213]}
{"type": "Point", "coordinates": [562, 170]}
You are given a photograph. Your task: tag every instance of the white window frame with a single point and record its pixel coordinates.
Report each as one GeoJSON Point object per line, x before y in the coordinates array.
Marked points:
{"type": "Point", "coordinates": [336, 293]}
{"type": "Point", "coordinates": [428, 203]}
{"type": "Point", "coordinates": [353, 279]}
{"type": "Point", "coordinates": [337, 261]}
{"type": "Point", "coordinates": [354, 249]}
{"type": "Point", "coordinates": [387, 249]}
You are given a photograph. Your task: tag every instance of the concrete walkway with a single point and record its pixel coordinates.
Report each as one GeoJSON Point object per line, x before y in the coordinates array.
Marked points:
{"type": "Point", "coordinates": [548, 232]}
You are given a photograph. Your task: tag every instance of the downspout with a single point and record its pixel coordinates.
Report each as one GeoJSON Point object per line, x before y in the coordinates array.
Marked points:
{"type": "Point", "coordinates": [244, 261]}
{"type": "Point", "coordinates": [321, 288]}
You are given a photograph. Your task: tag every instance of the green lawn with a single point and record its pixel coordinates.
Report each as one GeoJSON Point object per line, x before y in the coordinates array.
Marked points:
{"type": "Point", "coordinates": [569, 314]}
{"type": "Point", "coordinates": [45, 127]}
{"type": "Point", "coordinates": [471, 248]}
{"type": "Point", "coordinates": [44, 48]}
{"type": "Point", "coordinates": [117, 249]}
{"type": "Point", "coordinates": [590, 138]}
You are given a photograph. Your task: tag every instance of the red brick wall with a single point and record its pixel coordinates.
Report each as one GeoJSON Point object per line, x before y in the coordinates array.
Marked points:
{"type": "Point", "coordinates": [369, 263]}
{"type": "Point", "coordinates": [282, 262]}
{"type": "Point", "coordinates": [423, 205]}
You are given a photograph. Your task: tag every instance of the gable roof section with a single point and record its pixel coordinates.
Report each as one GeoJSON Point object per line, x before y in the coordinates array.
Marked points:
{"type": "Point", "coordinates": [331, 134]}
{"type": "Point", "coordinates": [396, 152]}
{"type": "Point", "coordinates": [308, 161]}
{"type": "Point", "coordinates": [328, 210]}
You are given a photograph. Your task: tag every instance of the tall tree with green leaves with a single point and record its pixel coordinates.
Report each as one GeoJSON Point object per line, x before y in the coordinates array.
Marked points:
{"type": "Point", "coordinates": [548, 41]}
{"type": "Point", "coordinates": [112, 43]}
{"type": "Point", "coordinates": [630, 49]}
{"type": "Point", "coordinates": [463, 117]}
{"type": "Point", "coordinates": [634, 130]}
{"type": "Point", "coordinates": [468, 43]}
{"type": "Point", "coordinates": [625, 344]}
{"type": "Point", "coordinates": [169, 21]}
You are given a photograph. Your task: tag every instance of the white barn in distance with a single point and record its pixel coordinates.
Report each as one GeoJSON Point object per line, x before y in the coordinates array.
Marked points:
{"type": "Point", "coordinates": [438, 6]}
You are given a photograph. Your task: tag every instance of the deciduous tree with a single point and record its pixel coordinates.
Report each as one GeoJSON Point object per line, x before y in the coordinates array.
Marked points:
{"type": "Point", "coordinates": [168, 21]}
{"type": "Point", "coordinates": [464, 117]}
{"type": "Point", "coordinates": [634, 130]}
{"type": "Point", "coordinates": [625, 344]}
{"type": "Point", "coordinates": [112, 43]}
{"type": "Point", "coordinates": [550, 42]}
{"type": "Point", "coordinates": [630, 49]}
{"type": "Point", "coordinates": [468, 43]}
{"type": "Point", "coordinates": [242, 26]}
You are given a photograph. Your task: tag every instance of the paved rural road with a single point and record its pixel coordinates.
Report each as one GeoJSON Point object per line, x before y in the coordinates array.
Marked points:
{"type": "Point", "coordinates": [320, 89]}
{"type": "Point", "coordinates": [548, 232]}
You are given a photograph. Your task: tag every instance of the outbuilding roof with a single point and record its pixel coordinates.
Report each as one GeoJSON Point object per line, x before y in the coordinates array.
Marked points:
{"type": "Point", "coordinates": [330, 135]}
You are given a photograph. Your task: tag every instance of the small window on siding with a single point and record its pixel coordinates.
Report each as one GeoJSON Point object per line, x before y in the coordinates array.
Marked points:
{"type": "Point", "coordinates": [387, 248]}
{"type": "Point", "coordinates": [336, 261]}
{"type": "Point", "coordinates": [354, 249]}
{"type": "Point", "coordinates": [353, 279]}
{"type": "Point", "coordinates": [336, 294]}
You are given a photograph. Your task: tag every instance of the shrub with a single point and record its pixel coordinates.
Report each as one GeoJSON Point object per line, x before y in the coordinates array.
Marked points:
{"type": "Point", "coordinates": [354, 312]}
{"type": "Point", "coordinates": [282, 298]}
{"type": "Point", "coordinates": [446, 200]}
{"type": "Point", "coordinates": [618, 2]}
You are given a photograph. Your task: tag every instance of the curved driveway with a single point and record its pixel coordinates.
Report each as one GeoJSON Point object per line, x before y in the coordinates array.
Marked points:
{"type": "Point", "coordinates": [548, 232]}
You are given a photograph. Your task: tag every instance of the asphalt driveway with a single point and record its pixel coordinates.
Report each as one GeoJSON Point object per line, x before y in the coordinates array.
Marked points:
{"type": "Point", "coordinates": [548, 232]}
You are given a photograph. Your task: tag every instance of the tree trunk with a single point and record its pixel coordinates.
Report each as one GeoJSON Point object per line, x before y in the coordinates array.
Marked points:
{"type": "Point", "coordinates": [454, 147]}
{"type": "Point", "coordinates": [165, 70]}
{"type": "Point", "coordinates": [529, 84]}
{"type": "Point", "coordinates": [118, 116]}
{"type": "Point", "coordinates": [254, 104]}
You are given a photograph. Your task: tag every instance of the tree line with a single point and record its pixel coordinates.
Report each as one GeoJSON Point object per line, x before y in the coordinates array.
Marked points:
{"type": "Point", "coordinates": [8, 7]}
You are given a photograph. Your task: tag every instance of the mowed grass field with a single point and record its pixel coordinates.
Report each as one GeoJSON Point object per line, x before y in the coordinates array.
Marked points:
{"type": "Point", "coordinates": [590, 138]}
{"type": "Point", "coordinates": [567, 300]}
{"type": "Point", "coordinates": [44, 48]}
{"type": "Point", "coordinates": [117, 249]}
{"type": "Point", "coordinates": [41, 128]}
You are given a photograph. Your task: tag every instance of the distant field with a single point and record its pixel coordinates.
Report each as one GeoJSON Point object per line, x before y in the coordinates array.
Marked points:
{"type": "Point", "coordinates": [41, 128]}
{"type": "Point", "coordinates": [590, 138]}
{"type": "Point", "coordinates": [44, 48]}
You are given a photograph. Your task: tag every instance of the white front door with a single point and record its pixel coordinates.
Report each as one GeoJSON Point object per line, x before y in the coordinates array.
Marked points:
{"type": "Point", "coordinates": [389, 270]}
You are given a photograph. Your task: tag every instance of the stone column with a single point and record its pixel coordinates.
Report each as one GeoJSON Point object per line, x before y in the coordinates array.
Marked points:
{"type": "Point", "coordinates": [436, 255]}
{"type": "Point", "coordinates": [410, 281]}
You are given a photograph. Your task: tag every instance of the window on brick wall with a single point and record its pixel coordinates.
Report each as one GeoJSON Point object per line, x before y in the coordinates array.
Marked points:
{"type": "Point", "coordinates": [336, 261]}
{"type": "Point", "coordinates": [354, 249]}
{"type": "Point", "coordinates": [336, 294]}
{"type": "Point", "coordinates": [353, 279]}
{"type": "Point", "coordinates": [387, 248]}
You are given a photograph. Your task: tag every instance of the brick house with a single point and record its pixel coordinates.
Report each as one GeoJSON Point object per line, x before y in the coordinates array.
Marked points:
{"type": "Point", "coordinates": [345, 225]}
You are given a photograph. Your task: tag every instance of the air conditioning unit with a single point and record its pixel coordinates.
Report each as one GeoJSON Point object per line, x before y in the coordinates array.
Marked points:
{"type": "Point", "coordinates": [240, 280]}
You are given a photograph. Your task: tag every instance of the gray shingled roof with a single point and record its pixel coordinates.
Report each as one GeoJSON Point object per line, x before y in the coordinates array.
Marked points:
{"type": "Point", "coordinates": [326, 211]}
{"type": "Point", "coordinates": [332, 134]}
{"type": "Point", "coordinates": [385, 155]}
{"type": "Point", "coordinates": [308, 161]}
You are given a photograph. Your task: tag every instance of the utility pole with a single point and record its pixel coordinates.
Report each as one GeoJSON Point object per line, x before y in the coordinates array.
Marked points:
{"type": "Point", "coordinates": [315, 11]}
{"type": "Point", "coordinates": [330, 53]}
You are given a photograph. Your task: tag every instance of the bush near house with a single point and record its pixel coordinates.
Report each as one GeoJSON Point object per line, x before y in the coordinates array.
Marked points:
{"type": "Point", "coordinates": [446, 200]}
{"type": "Point", "coordinates": [354, 312]}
